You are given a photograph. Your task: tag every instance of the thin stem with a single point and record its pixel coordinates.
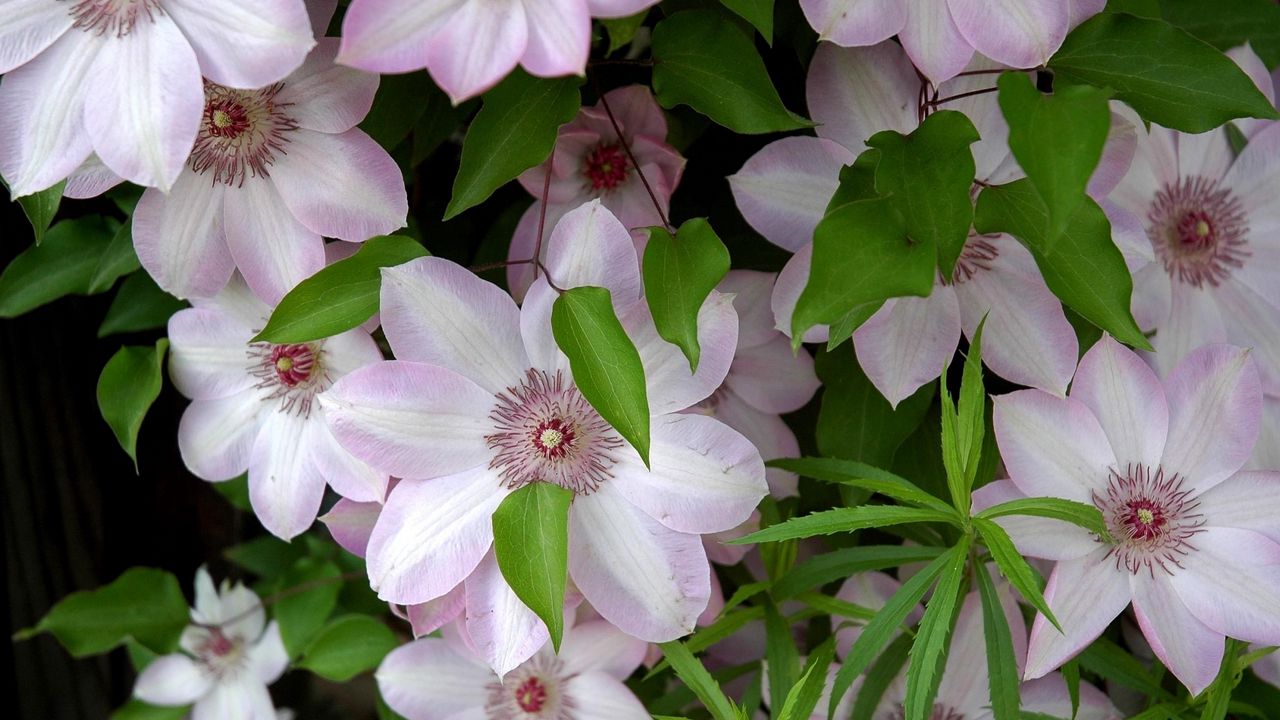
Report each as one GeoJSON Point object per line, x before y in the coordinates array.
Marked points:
{"type": "Point", "coordinates": [938, 101]}
{"type": "Point", "coordinates": [542, 225]}
{"type": "Point", "coordinates": [617, 129]}
{"type": "Point", "coordinates": [989, 71]}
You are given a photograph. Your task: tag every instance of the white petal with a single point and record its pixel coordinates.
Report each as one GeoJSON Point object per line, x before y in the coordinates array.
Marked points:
{"type": "Point", "coordinates": [504, 630]}
{"type": "Point", "coordinates": [172, 680]}
{"type": "Point", "coordinates": [1085, 595]}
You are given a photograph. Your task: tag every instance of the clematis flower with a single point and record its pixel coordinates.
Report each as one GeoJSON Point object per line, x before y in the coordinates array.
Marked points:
{"type": "Point", "coordinates": [784, 189]}
{"type": "Point", "coordinates": [227, 661]}
{"type": "Point", "coordinates": [590, 161]}
{"type": "Point", "coordinates": [941, 36]}
{"type": "Point", "coordinates": [481, 402]}
{"type": "Point", "coordinates": [122, 79]}
{"type": "Point", "coordinates": [443, 677]}
{"type": "Point", "coordinates": [469, 45]}
{"type": "Point", "coordinates": [765, 380]}
{"type": "Point", "coordinates": [273, 170]}
{"type": "Point", "coordinates": [253, 408]}
{"type": "Point", "coordinates": [1194, 542]}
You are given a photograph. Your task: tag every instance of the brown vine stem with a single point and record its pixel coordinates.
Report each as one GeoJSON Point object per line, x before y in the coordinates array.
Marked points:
{"type": "Point", "coordinates": [938, 101]}
{"type": "Point", "coordinates": [617, 129]}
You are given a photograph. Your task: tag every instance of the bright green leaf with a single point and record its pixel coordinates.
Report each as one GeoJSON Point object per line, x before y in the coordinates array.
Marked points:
{"type": "Point", "coordinates": [515, 130]}
{"type": "Point", "coordinates": [137, 710]}
{"type": "Point", "coordinates": [963, 427]}
{"type": "Point", "coordinates": [708, 63]}
{"type": "Point", "coordinates": [128, 385]}
{"type": "Point", "coordinates": [840, 564]}
{"type": "Point", "coordinates": [606, 366]}
{"type": "Point", "coordinates": [1076, 513]}
{"type": "Point", "coordinates": [696, 677]}
{"type": "Point", "coordinates": [1014, 568]}
{"type": "Point", "coordinates": [340, 296]}
{"type": "Point", "coordinates": [139, 304]}
{"type": "Point", "coordinates": [780, 654]}
{"type": "Point", "coordinates": [835, 607]}
{"type": "Point", "coordinates": [531, 540]}
{"type": "Point", "coordinates": [857, 474]}
{"type": "Point", "coordinates": [933, 639]}
{"type": "Point", "coordinates": [845, 520]}
{"type": "Point", "coordinates": [1002, 665]}
{"type": "Point", "coordinates": [679, 273]}
{"type": "Point", "coordinates": [347, 647]}
{"type": "Point", "coordinates": [118, 260]}
{"type": "Point", "coordinates": [804, 695]}
{"type": "Point", "coordinates": [1168, 76]}
{"type": "Point", "coordinates": [64, 264]}
{"type": "Point", "coordinates": [757, 12]}
{"type": "Point", "coordinates": [40, 207]}
{"type": "Point", "coordinates": [307, 594]}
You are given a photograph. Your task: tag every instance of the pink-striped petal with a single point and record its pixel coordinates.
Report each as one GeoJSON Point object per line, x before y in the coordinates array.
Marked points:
{"type": "Point", "coordinates": [1126, 397]}
{"type": "Point", "coordinates": [245, 46]}
{"type": "Point", "coordinates": [429, 678]}
{"type": "Point", "coordinates": [425, 618]}
{"type": "Point", "coordinates": [392, 36]}
{"type": "Point", "coordinates": [856, 92]}
{"type": "Point", "coordinates": [215, 436]}
{"type": "Point", "coordinates": [670, 385]}
{"type": "Point", "coordinates": [1085, 596]}
{"type": "Point", "coordinates": [772, 378]}
{"type": "Point", "coordinates": [1052, 446]}
{"type": "Point", "coordinates": [906, 343]}
{"type": "Point", "coordinates": [559, 38]}
{"type": "Point", "coordinates": [180, 239]}
{"type": "Point", "coordinates": [273, 251]}
{"type": "Point", "coordinates": [1190, 649]}
{"type": "Point", "coordinates": [1017, 33]}
{"type": "Point", "coordinates": [30, 26]}
{"type": "Point", "coordinates": [783, 190]}
{"type": "Point", "coordinates": [477, 46]}
{"type": "Point", "coordinates": [933, 41]}
{"type": "Point", "coordinates": [503, 629]}
{"type": "Point", "coordinates": [1232, 584]}
{"type": "Point", "coordinates": [1215, 406]}
{"type": "Point", "coordinates": [350, 523]}
{"type": "Point", "coordinates": [326, 97]}
{"type": "Point", "coordinates": [589, 246]}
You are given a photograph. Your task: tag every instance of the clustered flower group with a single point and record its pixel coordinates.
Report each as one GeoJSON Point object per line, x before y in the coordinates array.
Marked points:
{"type": "Point", "coordinates": [240, 120]}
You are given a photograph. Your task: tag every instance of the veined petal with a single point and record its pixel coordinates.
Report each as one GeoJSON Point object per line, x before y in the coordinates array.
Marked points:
{"type": "Point", "coordinates": [349, 476]}
{"type": "Point", "coordinates": [504, 630]}
{"type": "Point", "coordinates": [1037, 537]}
{"type": "Point", "coordinates": [1190, 649]}
{"type": "Point", "coordinates": [425, 618]}
{"type": "Point", "coordinates": [208, 355]}
{"type": "Point", "coordinates": [432, 534]}
{"type": "Point", "coordinates": [649, 581]}
{"type": "Point", "coordinates": [853, 23]}
{"type": "Point", "coordinates": [285, 485]}
{"type": "Point", "coordinates": [589, 246]}
{"type": "Point", "coordinates": [244, 697]}
{"type": "Point", "coordinates": [559, 38]}
{"type": "Point", "coordinates": [1017, 33]}
{"type": "Point", "coordinates": [670, 385]}
{"type": "Point", "coordinates": [91, 179]}
{"type": "Point", "coordinates": [1194, 320]}
{"type": "Point", "coordinates": [1117, 155]}
{"type": "Point", "coordinates": [1231, 582]}
{"type": "Point", "coordinates": [1127, 399]}
{"type": "Point", "coordinates": [751, 291]}
{"type": "Point", "coordinates": [905, 343]}
{"type": "Point", "coordinates": [1052, 446]}
{"type": "Point", "coordinates": [273, 251]}
{"type": "Point", "coordinates": [604, 698]}
{"type": "Point", "coordinates": [245, 46]}
{"type": "Point", "coordinates": [350, 523]}
{"type": "Point", "coordinates": [1253, 320]}
{"type": "Point", "coordinates": [771, 378]}
{"type": "Point", "coordinates": [30, 26]}
{"type": "Point", "coordinates": [856, 92]}
{"type": "Point", "coordinates": [1085, 595]}
{"type": "Point", "coordinates": [771, 436]}
{"type": "Point", "coordinates": [428, 678]}
{"type": "Point", "coordinates": [409, 419]}
{"type": "Point", "coordinates": [172, 680]}
{"type": "Point", "coordinates": [787, 291]}
{"type": "Point", "coordinates": [933, 41]}
{"type": "Point", "coordinates": [1248, 60]}
{"type": "Point", "coordinates": [1249, 500]}
{"type": "Point", "coordinates": [1215, 407]}
{"type": "Point", "coordinates": [392, 36]}
{"type": "Point", "coordinates": [327, 97]}
{"type": "Point", "coordinates": [783, 190]}
{"type": "Point", "coordinates": [597, 646]}
{"type": "Point", "coordinates": [180, 239]}
{"type": "Point", "coordinates": [535, 330]}
{"type": "Point", "coordinates": [215, 436]}
{"type": "Point", "coordinates": [477, 46]}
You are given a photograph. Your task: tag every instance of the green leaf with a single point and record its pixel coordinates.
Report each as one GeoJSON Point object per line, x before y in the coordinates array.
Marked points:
{"type": "Point", "coordinates": [129, 383]}
{"type": "Point", "coordinates": [1085, 269]}
{"type": "Point", "coordinates": [780, 654]}
{"type": "Point", "coordinates": [835, 607]}
{"type": "Point", "coordinates": [1116, 664]}
{"type": "Point", "coordinates": [307, 594]}
{"type": "Point", "coordinates": [855, 421]}
{"type": "Point", "coordinates": [757, 12]}
{"type": "Point", "coordinates": [137, 710]}
{"type": "Point", "coordinates": [1168, 76]}
{"type": "Point", "coordinates": [144, 604]}
{"type": "Point", "coordinates": [139, 304]}
{"type": "Point", "coordinates": [883, 673]}
{"type": "Point", "coordinates": [861, 254]}
{"type": "Point", "coordinates": [236, 492]}
{"type": "Point", "coordinates": [1230, 23]}
{"type": "Point", "coordinates": [347, 647]}
{"type": "Point", "coordinates": [963, 427]}
{"type": "Point", "coordinates": [928, 175]}
{"type": "Point", "coordinates": [622, 30]}
{"type": "Point", "coordinates": [711, 65]}
{"type": "Point", "coordinates": [845, 520]}
{"type": "Point", "coordinates": [679, 273]}
{"type": "Point", "coordinates": [1076, 513]}
{"type": "Point", "coordinates": [1071, 674]}
{"type": "Point", "coordinates": [1002, 666]}
{"type": "Point", "coordinates": [64, 264]}
{"type": "Point", "coordinates": [1057, 140]}
{"type": "Point", "coordinates": [804, 695]}
{"type": "Point", "coordinates": [531, 541]}
{"type": "Point", "coordinates": [840, 564]}
{"type": "Point", "coordinates": [857, 474]}
{"type": "Point", "coordinates": [929, 651]}
{"type": "Point", "coordinates": [514, 131]}
{"type": "Point", "coordinates": [40, 207]}
{"type": "Point", "coordinates": [1014, 568]}
{"type": "Point", "coordinates": [340, 296]}
{"type": "Point", "coordinates": [877, 633]}
{"type": "Point", "coordinates": [118, 260]}
{"type": "Point", "coordinates": [696, 677]}
{"type": "Point", "coordinates": [268, 556]}
{"type": "Point", "coordinates": [401, 99]}
{"type": "Point", "coordinates": [606, 366]}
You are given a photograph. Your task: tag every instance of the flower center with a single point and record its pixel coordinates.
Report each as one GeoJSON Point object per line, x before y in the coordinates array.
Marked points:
{"type": "Point", "coordinates": [218, 654]}
{"type": "Point", "coordinates": [532, 690]}
{"type": "Point", "coordinates": [1198, 231]}
{"type": "Point", "coordinates": [606, 167]}
{"type": "Point", "coordinates": [977, 256]}
{"type": "Point", "coordinates": [293, 374]}
{"type": "Point", "coordinates": [114, 17]}
{"type": "Point", "coordinates": [531, 695]}
{"type": "Point", "coordinates": [1150, 518]}
{"type": "Point", "coordinates": [545, 431]}
{"type": "Point", "coordinates": [241, 133]}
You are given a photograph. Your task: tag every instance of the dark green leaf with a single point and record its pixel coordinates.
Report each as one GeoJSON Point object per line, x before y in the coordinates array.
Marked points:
{"type": "Point", "coordinates": [1002, 665]}
{"type": "Point", "coordinates": [1085, 269]}
{"type": "Point", "coordinates": [268, 556]}
{"type": "Point", "coordinates": [1116, 664]}
{"type": "Point", "coordinates": [840, 564]}
{"type": "Point", "coordinates": [1076, 513]}
{"type": "Point", "coordinates": [531, 541]}
{"type": "Point", "coordinates": [857, 474]}
{"type": "Point", "coordinates": [129, 383]}
{"type": "Point", "coordinates": [401, 100]}
{"type": "Point", "coordinates": [781, 655]}
{"type": "Point", "coordinates": [606, 366]}
{"type": "Point", "coordinates": [347, 647]}
{"type": "Point", "coordinates": [696, 677]}
{"type": "Point", "coordinates": [1168, 76]}
{"type": "Point", "coordinates": [40, 208]}
{"type": "Point", "coordinates": [929, 651]}
{"type": "Point", "coordinates": [137, 710]}
{"type": "Point", "coordinates": [855, 421]}
{"type": "Point", "coordinates": [845, 520]}
{"type": "Point", "coordinates": [118, 260]}
{"type": "Point", "coordinates": [679, 273]}
{"type": "Point", "coordinates": [139, 304]}
{"type": "Point", "coordinates": [307, 594]}
{"type": "Point", "coordinates": [514, 131]}
{"type": "Point", "coordinates": [340, 296]}
{"type": "Point", "coordinates": [886, 669]}
{"type": "Point", "coordinates": [438, 121]}
{"type": "Point", "coordinates": [708, 63]}
{"type": "Point", "coordinates": [236, 492]}
{"type": "Point", "coordinates": [928, 175]}
{"type": "Point", "coordinates": [757, 12]}
{"type": "Point", "coordinates": [1228, 23]}
{"type": "Point", "coordinates": [144, 604]}
{"type": "Point", "coordinates": [64, 264]}
{"type": "Point", "coordinates": [622, 30]}
{"type": "Point", "coordinates": [1014, 568]}
{"type": "Point", "coordinates": [804, 695]}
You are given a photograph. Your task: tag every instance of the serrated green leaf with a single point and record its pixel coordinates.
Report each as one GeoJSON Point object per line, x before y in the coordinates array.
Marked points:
{"type": "Point", "coordinates": [307, 593]}
{"type": "Point", "coordinates": [531, 541]}
{"type": "Point", "coordinates": [1076, 513]}
{"type": "Point", "coordinates": [340, 296]}
{"type": "Point", "coordinates": [1111, 662]}
{"type": "Point", "coordinates": [1014, 568]}
{"type": "Point", "coordinates": [757, 12]}
{"type": "Point", "coordinates": [708, 63]}
{"type": "Point", "coordinates": [804, 695]}
{"type": "Point", "coordinates": [679, 273]}
{"type": "Point", "coordinates": [963, 426]}
{"type": "Point", "coordinates": [64, 264]}
{"type": "Point", "coordinates": [606, 366]}
{"type": "Point", "coordinates": [840, 564]}
{"type": "Point", "coordinates": [1164, 73]}
{"type": "Point", "coordinates": [515, 130]}
{"type": "Point", "coordinates": [1002, 665]}
{"type": "Point", "coordinates": [845, 520]}
{"type": "Point", "coordinates": [854, 420]}
{"type": "Point", "coordinates": [139, 304]}
{"type": "Point", "coordinates": [348, 646]}
{"type": "Point", "coordinates": [144, 604]}
{"type": "Point", "coordinates": [886, 669]}
{"type": "Point", "coordinates": [857, 474]}
{"type": "Point", "coordinates": [696, 677]}
{"type": "Point", "coordinates": [128, 385]}
{"type": "Point", "coordinates": [835, 607]}
{"type": "Point", "coordinates": [40, 207]}
{"type": "Point", "coordinates": [1071, 674]}
{"type": "Point", "coordinates": [933, 639]}
{"type": "Point", "coordinates": [781, 655]}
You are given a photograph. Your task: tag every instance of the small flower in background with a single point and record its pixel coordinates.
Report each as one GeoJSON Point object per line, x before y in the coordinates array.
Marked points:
{"type": "Point", "coordinates": [1195, 544]}
{"type": "Point", "coordinates": [591, 161]}
{"type": "Point", "coordinates": [273, 170]}
{"type": "Point", "coordinates": [227, 661]}
{"type": "Point", "coordinates": [253, 408]}
{"type": "Point", "coordinates": [442, 677]}
{"type": "Point", "coordinates": [481, 402]}
{"type": "Point", "coordinates": [122, 80]}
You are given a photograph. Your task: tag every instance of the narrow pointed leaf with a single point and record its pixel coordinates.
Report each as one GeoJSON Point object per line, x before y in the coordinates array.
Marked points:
{"type": "Point", "coordinates": [804, 695]}
{"type": "Point", "coordinates": [697, 679]}
{"type": "Point", "coordinates": [857, 474]}
{"type": "Point", "coordinates": [933, 639]}
{"type": "Point", "coordinates": [781, 655]}
{"type": "Point", "coordinates": [1014, 568]}
{"type": "Point", "coordinates": [679, 273]}
{"type": "Point", "coordinates": [1076, 513]}
{"type": "Point", "coordinates": [840, 564]}
{"type": "Point", "coordinates": [845, 520]}
{"type": "Point", "coordinates": [129, 383]}
{"type": "Point", "coordinates": [1002, 664]}
{"type": "Point", "coordinates": [880, 676]}
{"type": "Point", "coordinates": [531, 542]}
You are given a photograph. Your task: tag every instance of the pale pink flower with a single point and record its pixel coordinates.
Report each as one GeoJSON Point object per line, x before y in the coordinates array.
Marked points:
{"type": "Point", "coordinates": [273, 170]}
{"type": "Point", "coordinates": [227, 661]}
{"type": "Point", "coordinates": [590, 161]}
{"type": "Point", "coordinates": [444, 677]}
{"type": "Point", "coordinates": [784, 189]}
{"type": "Point", "coordinates": [1195, 544]}
{"type": "Point", "coordinates": [941, 36]}
{"type": "Point", "coordinates": [469, 45]}
{"type": "Point", "coordinates": [481, 401]}
{"type": "Point", "coordinates": [253, 408]}
{"type": "Point", "coordinates": [122, 79]}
